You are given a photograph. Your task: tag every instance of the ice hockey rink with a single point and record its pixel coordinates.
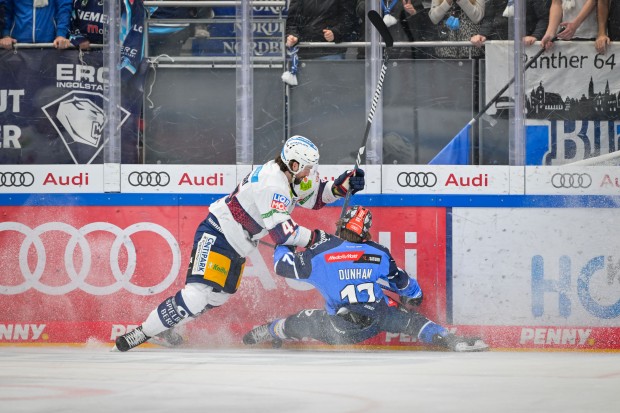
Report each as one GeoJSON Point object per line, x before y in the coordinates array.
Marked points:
{"type": "Point", "coordinates": [93, 379]}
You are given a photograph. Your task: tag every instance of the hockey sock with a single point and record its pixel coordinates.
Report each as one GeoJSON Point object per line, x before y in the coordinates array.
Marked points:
{"type": "Point", "coordinates": [430, 330]}
{"type": "Point", "coordinates": [276, 329]}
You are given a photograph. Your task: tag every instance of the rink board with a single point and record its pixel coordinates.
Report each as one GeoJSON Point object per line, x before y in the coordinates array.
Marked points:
{"type": "Point", "coordinates": [506, 253]}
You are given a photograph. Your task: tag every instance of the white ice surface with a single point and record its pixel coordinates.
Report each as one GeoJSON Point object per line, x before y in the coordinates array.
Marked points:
{"type": "Point", "coordinates": [93, 380]}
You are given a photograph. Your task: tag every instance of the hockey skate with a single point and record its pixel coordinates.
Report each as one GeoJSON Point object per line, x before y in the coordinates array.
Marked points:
{"type": "Point", "coordinates": [460, 344]}
{"type": "Point", "coordinates": [130, 340]}
{"type": "Point", "coordinates": [261, 334]}
{"type": "Point", "coordinates": [167, 338]}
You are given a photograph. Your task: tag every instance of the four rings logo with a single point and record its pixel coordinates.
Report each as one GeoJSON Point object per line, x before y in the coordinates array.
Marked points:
{"type": "Point", "coordinates": [14, 179]}
{"type": "Point", "coordinates": [151, 178]}
{"type": "Point", "coordinates": [34, 251]}
{"type": "Point", "coordinates": [416, 179]}
{"type": "Point", "coordinates": [571, 180]}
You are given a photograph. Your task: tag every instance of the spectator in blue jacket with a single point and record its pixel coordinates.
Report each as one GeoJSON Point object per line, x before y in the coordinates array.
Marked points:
{"type": "Point", "coordinates": [1, 16]}
{"type": "Point", "coordinates": [37, 21]}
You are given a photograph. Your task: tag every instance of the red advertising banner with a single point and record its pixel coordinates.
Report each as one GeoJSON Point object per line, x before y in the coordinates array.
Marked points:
{"type": "Point", "coordinates": [78, 274]}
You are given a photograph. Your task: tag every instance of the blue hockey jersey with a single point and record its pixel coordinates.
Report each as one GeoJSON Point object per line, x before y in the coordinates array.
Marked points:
{"type": "Point", "coordinates": [345, 272]}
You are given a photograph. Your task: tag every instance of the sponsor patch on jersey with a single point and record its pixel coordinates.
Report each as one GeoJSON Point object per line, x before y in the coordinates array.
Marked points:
{"type": "Point", "coordinates": [201, 257]}
{"type": "Point", "coordinates": [280, 203]}
{"type": "Point", "coordinates": [369, 258]}
{"type": "Point", "coordinates": [218, 267]}
{"type": "Point", "coordinates": [305, 184]}
{"type": "Point", "coordinates": [343, 256]}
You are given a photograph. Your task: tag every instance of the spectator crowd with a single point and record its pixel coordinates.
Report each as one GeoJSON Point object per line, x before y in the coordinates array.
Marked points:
{"type": "Point", "coordinates": [82, 22]}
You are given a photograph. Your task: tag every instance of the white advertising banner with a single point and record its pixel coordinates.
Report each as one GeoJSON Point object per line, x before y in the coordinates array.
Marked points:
{"type": "Point", "coordinates": [205, 179]}
{"type": "Point", "coordinates": [451, 179]}
{"type": "Point", "coordinates": [51, 179]}
{"type": "Point", "coordinates": [572, 180]}
{"type": "Point", "coordinates": [536, 267]}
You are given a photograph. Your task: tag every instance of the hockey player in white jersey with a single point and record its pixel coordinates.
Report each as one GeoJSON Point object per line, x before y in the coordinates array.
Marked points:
{"type": "Point", "coordinates": [260, 205]}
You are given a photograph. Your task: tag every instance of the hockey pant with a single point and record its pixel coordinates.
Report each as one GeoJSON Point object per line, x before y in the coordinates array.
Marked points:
{"type": "Point", "coordinates": [214, 272]}
{"type": "Point", "coordinates": [359, 322]}
{"type": "Point", "coordinates": [214, 261]}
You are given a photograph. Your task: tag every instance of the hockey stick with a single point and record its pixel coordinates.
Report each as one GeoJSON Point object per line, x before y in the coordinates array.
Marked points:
{"type": "Point", "coordinates": [378, 23]}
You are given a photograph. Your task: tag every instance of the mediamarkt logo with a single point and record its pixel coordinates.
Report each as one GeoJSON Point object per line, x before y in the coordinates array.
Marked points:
{"type": "Point", "coordinates": [344, 256]}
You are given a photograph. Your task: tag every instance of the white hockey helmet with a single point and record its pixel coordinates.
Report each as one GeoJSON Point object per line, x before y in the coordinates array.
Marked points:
{"type": "Point", "coordinates": [302, 150]}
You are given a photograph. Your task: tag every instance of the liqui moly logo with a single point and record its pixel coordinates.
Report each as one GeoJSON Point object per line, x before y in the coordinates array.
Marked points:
{"type": "Point", "coordinates": [343, 256]}
{"type": "Point", "coordinates": [280, 202]}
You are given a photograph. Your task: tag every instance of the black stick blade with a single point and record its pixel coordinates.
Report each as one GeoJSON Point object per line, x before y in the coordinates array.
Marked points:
{"type": "Point", "coordinates": [379, 24]}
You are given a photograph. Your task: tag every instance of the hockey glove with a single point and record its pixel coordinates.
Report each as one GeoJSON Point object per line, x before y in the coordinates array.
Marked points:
{"type": "Point", "coordinates": [318, 235]}
{"type": "Point", "coordinates": [411, 294]}
{"type": "Point", "coordinates": [351, 180]}
{"type": "Point", "coordinates": [291, 248]}
{"type": "Point", "coordinates": [408, 301]}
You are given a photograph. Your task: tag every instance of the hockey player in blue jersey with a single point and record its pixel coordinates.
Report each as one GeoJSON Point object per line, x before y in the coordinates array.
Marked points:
{"type": "Point", "coordinates": [350, 272]}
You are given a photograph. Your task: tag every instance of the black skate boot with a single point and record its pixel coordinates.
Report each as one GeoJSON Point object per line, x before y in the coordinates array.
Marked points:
{"type": "Point", "coordinates": [130, 340]}
{"type": "Point", "coordinates": [460, 344]}
{"type": "Point", "coordinates": [262, 334]}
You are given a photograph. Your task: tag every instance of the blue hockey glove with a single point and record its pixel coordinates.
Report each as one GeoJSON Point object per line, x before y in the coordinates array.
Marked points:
{"type": "Point", "coordinates": [351, 180]}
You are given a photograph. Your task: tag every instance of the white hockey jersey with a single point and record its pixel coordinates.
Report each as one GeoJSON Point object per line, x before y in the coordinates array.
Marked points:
{"type": "Point", "coordinates": [262, 203]}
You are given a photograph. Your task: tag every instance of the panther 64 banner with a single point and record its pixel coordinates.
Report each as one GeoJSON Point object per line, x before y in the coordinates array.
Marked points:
{"type": "Point", "coordinates": [572, 99]}
{"type": "Point", "coordinates": [52, 108]}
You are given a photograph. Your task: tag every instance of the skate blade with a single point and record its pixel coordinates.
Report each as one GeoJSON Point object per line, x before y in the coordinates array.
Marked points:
{"type": "Point", "coordinates": [478, 345]}
{"type": "Point", "coordinates": [163, 343]}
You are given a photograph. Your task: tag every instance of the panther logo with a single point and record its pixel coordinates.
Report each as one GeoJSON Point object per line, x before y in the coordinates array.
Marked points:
{"type": "Point", "coordinates": [80, 120]}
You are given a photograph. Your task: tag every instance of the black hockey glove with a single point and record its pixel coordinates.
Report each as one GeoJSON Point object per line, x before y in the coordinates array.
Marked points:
{"type": "Point", "coordinates": [318, 235]}
{"type": "Point", "coordinates": [413, 302]}
{"type": "Point", "coordinates": [291, 248]}
{"type": "Point", "coordinates": [351, 180]}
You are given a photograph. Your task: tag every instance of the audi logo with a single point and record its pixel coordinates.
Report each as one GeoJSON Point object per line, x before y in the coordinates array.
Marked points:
{"type": "Point", "coordinates": [145, 178]}
{"type": "Point", "coordinates": [16, 179]}
{"type": "Point", "coordinates": [416, 179]}
{"type": "Point", "coordinates": [78, 278]}
{"type": "Point", "coordinates": [571, 180]}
